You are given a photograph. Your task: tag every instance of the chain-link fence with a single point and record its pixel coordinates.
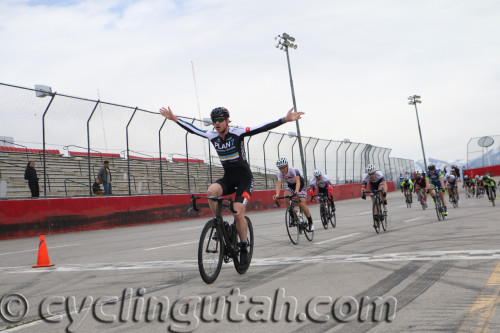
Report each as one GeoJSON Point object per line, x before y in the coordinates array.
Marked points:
{"type": "Point", "coordinates": [483, 151]}
{"type": "Point", "coordinates": [93, 127]}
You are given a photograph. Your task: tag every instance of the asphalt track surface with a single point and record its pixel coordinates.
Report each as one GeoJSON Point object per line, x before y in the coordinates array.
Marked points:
{"type": "Point", "coordinates": [431, 276]}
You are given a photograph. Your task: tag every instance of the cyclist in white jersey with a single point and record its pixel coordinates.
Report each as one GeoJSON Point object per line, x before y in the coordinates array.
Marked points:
{"type": "Point", "coordinates": [238, 178]}
{"type": "Point", "coordinates": [377, 182]}
{"type": "Point", "coordinates": [324, 185]}
{"type": "Point", "coordinates": [296, 184]}
{"type": "Point", "coordinates": [451, 184]}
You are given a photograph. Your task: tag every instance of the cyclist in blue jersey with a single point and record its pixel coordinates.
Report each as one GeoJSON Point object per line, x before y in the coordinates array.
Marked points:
{"type": "Point", "coordinates": [238, 178]}
{"type": "Point", "coordinates": [434, 179]}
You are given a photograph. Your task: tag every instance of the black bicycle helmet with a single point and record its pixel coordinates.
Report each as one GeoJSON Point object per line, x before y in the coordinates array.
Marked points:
{"type": "Point", "coordinates": [431, 167]}
{"type": "Point", "coordinates": [219, 112]}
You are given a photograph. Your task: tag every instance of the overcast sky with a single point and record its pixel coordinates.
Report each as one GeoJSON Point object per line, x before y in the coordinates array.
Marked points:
{"type": "Point", "coordinates": [355, 65]}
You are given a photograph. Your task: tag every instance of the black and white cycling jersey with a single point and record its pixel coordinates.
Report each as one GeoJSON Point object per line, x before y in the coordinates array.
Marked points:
{"type": "Point", "coordinates": [231, 149]}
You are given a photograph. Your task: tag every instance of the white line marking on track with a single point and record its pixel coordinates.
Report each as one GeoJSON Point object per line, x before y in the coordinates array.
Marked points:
{"type": "Point", "coordinates": [48, 248]}
{"type": "Point", "coordinates": [161, 247]}
{"type": "Point", "coordinates": [192, 264]}
{"type": "Point", "coordinates": [416, 218]}
{"type": "Point", "coordinates": [337, 238]}
{"type": "Point", "coordinates": [364, 213]}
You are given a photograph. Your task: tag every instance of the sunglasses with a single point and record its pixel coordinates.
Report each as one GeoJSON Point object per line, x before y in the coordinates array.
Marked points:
{"type": "Point", "coordinates": [220, 120]}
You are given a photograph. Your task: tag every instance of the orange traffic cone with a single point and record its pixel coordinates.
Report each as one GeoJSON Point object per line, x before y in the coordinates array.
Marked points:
{"type": "Point", "coordinates": [43, 255]}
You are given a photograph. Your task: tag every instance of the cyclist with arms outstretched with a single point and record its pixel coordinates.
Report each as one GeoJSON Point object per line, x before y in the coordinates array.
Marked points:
{"type": "Point", "coordinates": [228, 143]}
{"type": "Point", "coordinates": [296, 185]}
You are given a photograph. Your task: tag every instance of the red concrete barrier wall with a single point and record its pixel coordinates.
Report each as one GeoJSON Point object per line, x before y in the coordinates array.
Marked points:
{"type": "Point", "coordinates": [494, 171]}
{"type": "Point", "coordinates": [33, 217]}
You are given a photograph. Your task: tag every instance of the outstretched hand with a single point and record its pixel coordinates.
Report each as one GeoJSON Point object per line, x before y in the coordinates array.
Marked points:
{"type": "Point", "coordinates": [167, 113]}
{"type": "Point", "coordinates": [293, 116]}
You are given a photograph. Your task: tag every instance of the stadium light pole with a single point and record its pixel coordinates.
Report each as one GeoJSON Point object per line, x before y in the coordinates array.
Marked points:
{"type": "Point", "coordinates": [414, 100]}
{"type": "Point", "coordinates": [286, 41]}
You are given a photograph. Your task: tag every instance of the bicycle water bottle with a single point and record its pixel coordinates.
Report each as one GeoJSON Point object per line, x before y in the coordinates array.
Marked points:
{"type": "Point", "coordinates": [299, 215]}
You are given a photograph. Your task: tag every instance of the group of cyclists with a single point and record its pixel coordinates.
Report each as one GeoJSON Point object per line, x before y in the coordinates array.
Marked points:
{"type": "Point", "coordinates": [444, 182]}
{"type": "Point", "coordinates": [237, 178]}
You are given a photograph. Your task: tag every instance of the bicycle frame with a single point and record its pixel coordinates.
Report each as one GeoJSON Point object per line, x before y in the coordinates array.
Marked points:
{"type": "Point", "coordinates": [228, 242]}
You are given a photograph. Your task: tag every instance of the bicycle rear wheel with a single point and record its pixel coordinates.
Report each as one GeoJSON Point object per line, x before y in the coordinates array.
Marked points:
{"type": "Point", "coordinates": [250, 244]}
{"type": "Point", "coordinates": [210, 252]}
{"type": "Point", "coordinates": [292, 227]}
{"type": "Point", "coordinates": [408, 200]}
{"type": "Point", "coordinates": [331, 215]}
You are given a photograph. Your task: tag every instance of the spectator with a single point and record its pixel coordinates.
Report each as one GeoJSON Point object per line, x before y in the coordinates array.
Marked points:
{"type": "Point", "coordinates": [96, 188]}
{"type": "Point", "coordinates": [104, 176]}
{"type": "Point", "coordinates": [32, 178]}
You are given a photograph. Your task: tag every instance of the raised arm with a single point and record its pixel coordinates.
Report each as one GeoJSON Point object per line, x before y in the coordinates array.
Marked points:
{"type": "Point", "coordinates": [167, 113]}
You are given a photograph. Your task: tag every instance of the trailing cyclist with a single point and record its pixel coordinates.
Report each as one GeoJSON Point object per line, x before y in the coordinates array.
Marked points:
{"type": "Point", "coordinates": [451, 185]}
{"type": "Point", "coordinates": [377, 182]}
{"type": "Point", "coordinates": [468, 185]}
{"type": "Point", "coordinates": [296, 185]}
{"type": "Point", "coordinates": [434, 180]}
{"type": "Point", "coordinates": [324, 186]}
{"type": "Point", "coordinates": [407, 186]}
{"type": "Point", "coordinates": [421, 184]}
{"type": "Point", "coordinates": [486, 181]}
{"type": "Point", "coordinates": [228, 143]}
{"type": "Point", "coordinates": [479, 186]}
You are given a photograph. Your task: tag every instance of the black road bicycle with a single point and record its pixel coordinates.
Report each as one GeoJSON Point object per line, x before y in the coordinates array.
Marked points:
{"type": "Point", "coordinates": [491, 196]}
{"type": "Point", "coordinates": [453, 198]}
{"type": "Point", "coordinates": [295, 221]}
{"type": "Point", "coordinates": [326, 210]}
{"type": "Point", "coordinates": [421, 198]}
{"type": "Point", "coordinates": [379, 216]}
{"type": "Point", "coordinates": [219, 241]}
{"type": "Point", "coordinates": [409, 198]}
{"type": "Point", "coordinates": [438, 204]}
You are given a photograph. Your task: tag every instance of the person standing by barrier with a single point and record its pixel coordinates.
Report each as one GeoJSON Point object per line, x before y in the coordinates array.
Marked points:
{"type": "Point", "coordinates": [105, 178]}
{"type": "Point", "coordinates": [32, 178]}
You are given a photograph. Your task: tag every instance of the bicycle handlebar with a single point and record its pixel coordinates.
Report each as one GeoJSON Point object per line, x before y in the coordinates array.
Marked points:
{"type": "Point", "coordinates": [284, 197]}
{"type": "Point", "coordinates": [213, 198]}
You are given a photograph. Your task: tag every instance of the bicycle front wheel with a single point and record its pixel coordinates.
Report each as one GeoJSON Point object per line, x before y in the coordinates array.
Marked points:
{"type": "Point", "coordinates": [384, 221]}
{"type": "Point", "coordinates": [292, 227]}
{"type": "Point", "coordinates": [324, 215]}
{"type": "Point", "coordinates": [250, 242]}
{"type": "Point", "coordinates": [309, 234]}
{"type": "Point", "coordinates": [210, 252]}
{"type": "Point", "coordinates": [376, 210]}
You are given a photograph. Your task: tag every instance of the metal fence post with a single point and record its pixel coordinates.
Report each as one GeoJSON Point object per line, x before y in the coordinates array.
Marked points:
{"type": "Point", "coordinates": [345, 163]}
{"type": "Point", "coordinates": [88, 145]}
{"type": "Point", "coordinates": [314, 154]}
{"type": "Point", "coordinates": [354, 160]}
{"type": "Point", "coordinates": [43, 133]}
{"type": "Point", "coordinates": [264, 150]}
{"type": "Point", "coordinates": [128, 159]}
{"type": "Point", "coordinates": [282, 136]}
{"type": "Point", "coordinates": [159, 147]}
{"type": "Point", "coordinates": [337, 163]}
{"type": "Point", "coordinates": [325, 154]}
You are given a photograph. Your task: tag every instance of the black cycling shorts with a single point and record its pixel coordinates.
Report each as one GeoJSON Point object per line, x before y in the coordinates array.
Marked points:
{"type": "Point", "coordinates": [239, 180]}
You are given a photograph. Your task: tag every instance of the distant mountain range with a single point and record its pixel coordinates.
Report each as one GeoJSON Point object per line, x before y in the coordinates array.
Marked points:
{"type": "Point", "coordinates": [492, 157]}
